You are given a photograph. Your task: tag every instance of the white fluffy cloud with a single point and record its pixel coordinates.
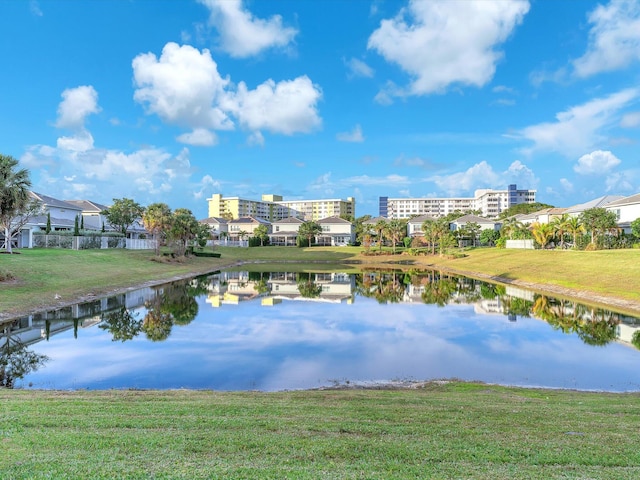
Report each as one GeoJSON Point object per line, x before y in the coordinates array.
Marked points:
{"type": "Point", "coordinates": [199, 137]}
{"type": "Point", "coordinates": [243, 35]}
{"type": "Point", "coordinates": [614, 38]}
{"type": "Point", "coordinates": [579, 128]}
{"type": "Point", "coordinates": [595, 163]}
{"type": "Point", "coordinates": [286, 107]}
{"type": "Point", "coordinates": [354, 136]}
{"type": "Point", "coordinates": [82, 141]}
{"type": "Point", "coordinates": [77, 103]}
{"type": "Point", "coordinates": [183, 87]}
{"type": "Point", "coordinates": [439, 43]}
{"type": "Point", "coordinates": [482, 175]}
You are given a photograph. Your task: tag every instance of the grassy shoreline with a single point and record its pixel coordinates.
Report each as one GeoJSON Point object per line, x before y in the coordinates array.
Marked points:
{"type": "Point", "coordinates": [46, 279]}
{"type": "Point", "coordinates": [440, 430]}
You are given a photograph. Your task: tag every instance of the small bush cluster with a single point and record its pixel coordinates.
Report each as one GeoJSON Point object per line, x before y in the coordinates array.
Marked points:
{"type": "Point", "coordinates": [6, 275]}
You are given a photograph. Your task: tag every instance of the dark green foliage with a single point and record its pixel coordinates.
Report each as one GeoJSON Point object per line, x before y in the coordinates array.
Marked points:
{"type": "Point", "coordinates": [524, 208]}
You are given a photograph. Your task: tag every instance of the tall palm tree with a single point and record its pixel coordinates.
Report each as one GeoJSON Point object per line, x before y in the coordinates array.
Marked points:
{"type": "Point", "coordinates": [429, 231]}
{"type": "Point", "coordinates": [574, 226]}
{"type": "Point", "coordinates": [14, 195]}
{"type": "Point", "coordinates": [442, 231]}
{"type": "Point", "coordinates": [395, 230]}
{"type": "Point", "coordinates": [559, 225]}
{"type": "Point", "coordinates": [380, 227]}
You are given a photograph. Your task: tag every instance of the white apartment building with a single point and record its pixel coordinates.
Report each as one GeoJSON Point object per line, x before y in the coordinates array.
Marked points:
{"type": "Point", "coordinates": [490, 203]}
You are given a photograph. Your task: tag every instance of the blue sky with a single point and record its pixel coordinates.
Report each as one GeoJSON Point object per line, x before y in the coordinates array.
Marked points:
{"type": "Point", "coordinates": [176, 100]}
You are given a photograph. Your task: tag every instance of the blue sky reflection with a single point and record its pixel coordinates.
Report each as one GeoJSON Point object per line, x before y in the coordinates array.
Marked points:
{"type": "Point", "coordinates": [296, 345]}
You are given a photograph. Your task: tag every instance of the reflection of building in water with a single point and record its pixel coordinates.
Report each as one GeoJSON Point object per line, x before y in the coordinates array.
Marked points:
{"type": "Point", "coordinates": [273, 287]}
{"type": "Point", "coordinates": [520, 293]}
{"type": "Point", "coordinates": [489, 307]}
{"type": "Point", "coordinates": [33, 328]}
{"type": "Point", "coordinates": [626, 328]}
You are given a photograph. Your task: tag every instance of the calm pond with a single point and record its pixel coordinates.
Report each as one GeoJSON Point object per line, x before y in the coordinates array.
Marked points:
{"type": "Point", "coordinates": [250, 330]}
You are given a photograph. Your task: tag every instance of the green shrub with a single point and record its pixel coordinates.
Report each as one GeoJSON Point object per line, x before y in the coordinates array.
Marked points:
{"type": "Point", "coordinates": [5, 275]}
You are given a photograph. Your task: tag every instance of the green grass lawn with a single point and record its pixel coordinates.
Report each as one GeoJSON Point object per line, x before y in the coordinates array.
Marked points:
{"type": "Point", "coordinates": [46, 277]}
{"type": "Point", "coordinates": [455, 430]}
{"type": "Point", "coordinates": [608, 272]}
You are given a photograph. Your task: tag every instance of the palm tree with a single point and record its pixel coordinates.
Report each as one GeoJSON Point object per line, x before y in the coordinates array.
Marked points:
{"type": "Point", "coordinates": [14, 195]}
{"type": "Point", "coordinates": [574, 226]}
{"type": "Point", "coordinates": [442, 230]}
{"type": "Point", "coordinates": [395, 230]}
{"type": "Point", "coordinates": [510, 226]}
{"type": "Point", "coordinates": [380, 227]}
{"type": "Point", "coordinates": [429, 231]}
{"type": "Point", "coordinates": [542, 233]}
{"type": "Point", "coordinates": [157, 220]}
{"type": "Point", "coordinates": [309, 230]}
{"type": "Point", "coordinates": [560, 227]}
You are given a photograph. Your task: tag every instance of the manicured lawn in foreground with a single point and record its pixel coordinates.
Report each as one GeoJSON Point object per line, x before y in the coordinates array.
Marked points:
{"type": "Point", "coordinates": [455, 430]}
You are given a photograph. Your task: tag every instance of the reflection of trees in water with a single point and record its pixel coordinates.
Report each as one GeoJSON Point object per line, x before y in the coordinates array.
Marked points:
{"type": "Point", "coordinates": [122, 325]}
{"type": "Point", "coordinates": [594, 326]}
{"type": "Point", "coordinates": [174, 304]}
{"type": "Point", "coordinates": [261, 282]}
{"type": "Point", "coordinates": [439, 289]}
{"type": "Point", "coordinates": [16, 360]}
{"type": "Point", "coordinates": [307, 286]}
{"type": "Point", "coordinates": [384, 286]}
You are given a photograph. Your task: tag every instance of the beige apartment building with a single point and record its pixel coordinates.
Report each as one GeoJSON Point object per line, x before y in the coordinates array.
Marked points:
{"type": "Point", "coordinates": [274, 208]}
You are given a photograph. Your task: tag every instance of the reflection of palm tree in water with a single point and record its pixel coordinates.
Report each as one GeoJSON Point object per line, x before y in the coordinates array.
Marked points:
{"type": "Point", "coordinates": [594, 326]}
{"type": "Point", "coordinates": [385, 287]}
{"type": "Point", "coordinates": [174, 305]}
{"type": "Point", "coordinates": [439, 289]}
{"type": "Point", "coordinates": [307, 287]}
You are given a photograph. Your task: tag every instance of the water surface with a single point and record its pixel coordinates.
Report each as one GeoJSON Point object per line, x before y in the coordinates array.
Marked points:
{"type": "Point", "coordinates": [241, 330]}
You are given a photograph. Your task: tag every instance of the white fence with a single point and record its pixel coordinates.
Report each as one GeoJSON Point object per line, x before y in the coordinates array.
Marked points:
{"type": "Point", "coordinates": [228, 243]}
{"type": "Point", "coordinates": [526, 244]}
{"type": "Point", "coordinates": [140, 244]}
{"type": "Point", "coordinates": [91, 241]}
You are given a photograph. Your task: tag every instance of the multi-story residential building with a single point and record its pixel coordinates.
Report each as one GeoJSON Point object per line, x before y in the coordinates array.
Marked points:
{"type": "Point", "coordinates": [489, 203]}
{"type": "Point", "coordinates": [274, 208]}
